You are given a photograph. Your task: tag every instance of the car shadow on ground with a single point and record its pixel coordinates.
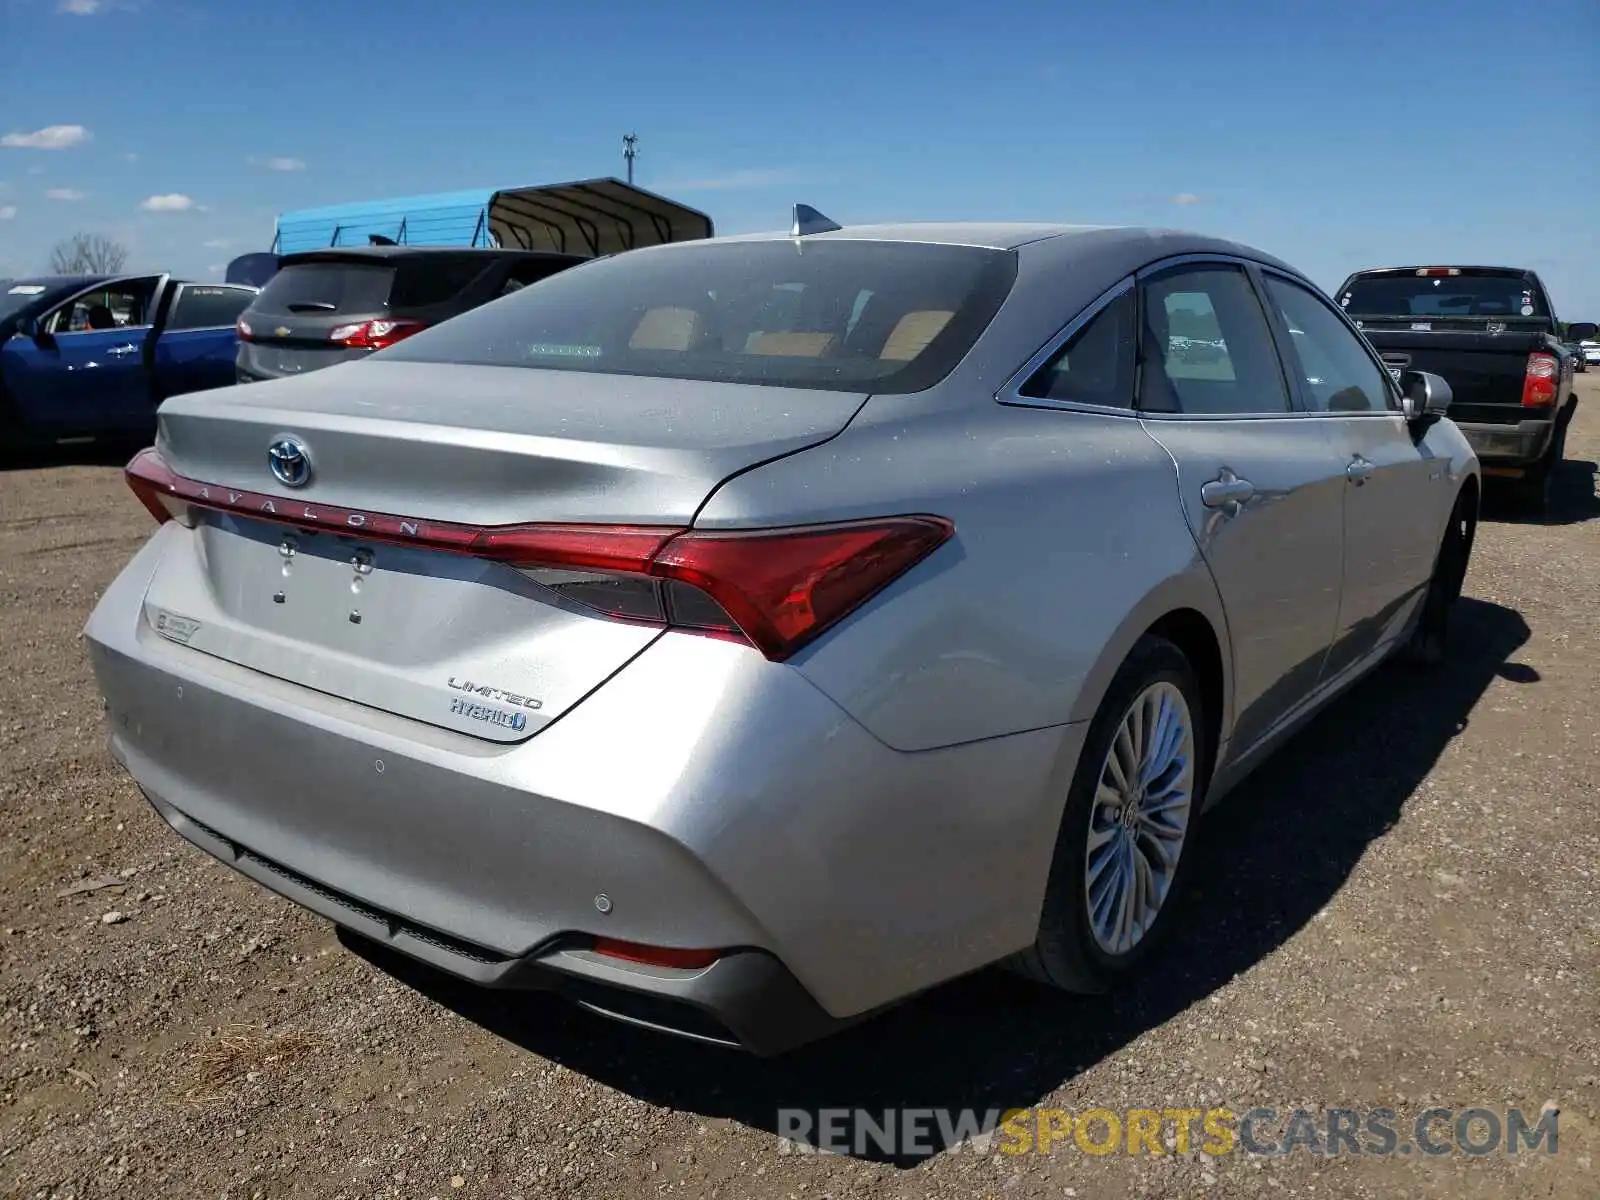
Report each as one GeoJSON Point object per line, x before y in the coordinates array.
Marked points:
{"type": "Point", "coordinates": [1573, 498]}
{"type": "Point", "coordinates": [1270, 858]}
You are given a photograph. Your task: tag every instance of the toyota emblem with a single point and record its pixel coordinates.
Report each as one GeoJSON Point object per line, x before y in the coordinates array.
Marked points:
{"type": "Point", "coordinates": [290, 462]}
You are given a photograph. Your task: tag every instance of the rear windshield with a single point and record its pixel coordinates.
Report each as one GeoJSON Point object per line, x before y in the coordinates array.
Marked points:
{"type": "Point", "coordinates": [326, 287]}
{"type": "Point", "coordinates": [1469, 294]}
{"type": "Point", "coordinates": [840, 315]}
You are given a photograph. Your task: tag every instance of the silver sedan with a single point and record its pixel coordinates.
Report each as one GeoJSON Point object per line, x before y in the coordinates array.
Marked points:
{"type": "Point", "coordinates": [740, 636]}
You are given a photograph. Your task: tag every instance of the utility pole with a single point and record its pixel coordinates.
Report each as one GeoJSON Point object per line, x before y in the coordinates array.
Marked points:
{"type": "Point", "coordinates": [630, 151]}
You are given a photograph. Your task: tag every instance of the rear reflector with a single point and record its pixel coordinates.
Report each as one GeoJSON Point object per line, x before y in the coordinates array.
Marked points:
{"type": "Point", "coordinates": [1539, 382]}
{"type": "Point", "coordinates": [776, 589]}
{"type": "Point", "coordinates": [656, 956]}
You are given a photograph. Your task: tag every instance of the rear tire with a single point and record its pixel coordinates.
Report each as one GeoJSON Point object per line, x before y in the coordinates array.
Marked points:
{"type": "Point", "coordinates": [1122, 851]}
{"type": "Point", "coordinates": [1429, 644]}
{"type": "Point", "coordinates": [1531, 493]}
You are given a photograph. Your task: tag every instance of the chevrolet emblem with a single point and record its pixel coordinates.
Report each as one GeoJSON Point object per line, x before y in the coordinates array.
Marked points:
{"type": "Point", "coordinates": [282, 331]}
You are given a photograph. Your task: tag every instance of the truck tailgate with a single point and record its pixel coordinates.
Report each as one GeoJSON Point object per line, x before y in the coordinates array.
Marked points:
{"type": "Point", "coordinates": [1485, 371]}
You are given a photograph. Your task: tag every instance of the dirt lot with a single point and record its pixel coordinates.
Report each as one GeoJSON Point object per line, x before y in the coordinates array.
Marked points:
{"type": "Point", "coordinates": [1401, 910]}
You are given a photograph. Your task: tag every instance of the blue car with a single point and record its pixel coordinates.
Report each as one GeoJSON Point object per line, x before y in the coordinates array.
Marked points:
{"type": "Point", "coordinates": [89, 358]}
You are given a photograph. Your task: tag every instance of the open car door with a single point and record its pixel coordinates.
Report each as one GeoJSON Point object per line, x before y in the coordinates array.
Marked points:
{"type": "Point", "coordinates": [85, 372]}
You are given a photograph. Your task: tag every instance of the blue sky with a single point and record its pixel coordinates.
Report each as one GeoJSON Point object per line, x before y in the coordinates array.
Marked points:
{"type": "Point", "coordinates": [1336, 135]}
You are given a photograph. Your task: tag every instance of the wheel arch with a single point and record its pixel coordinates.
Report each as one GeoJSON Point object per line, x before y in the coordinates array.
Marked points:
{"type": "Point", "coordinates": [1186, 610]}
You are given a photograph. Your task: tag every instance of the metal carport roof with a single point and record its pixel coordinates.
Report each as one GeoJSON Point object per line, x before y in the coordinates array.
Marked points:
{"type": "Point", "coordinates": [590, 216]}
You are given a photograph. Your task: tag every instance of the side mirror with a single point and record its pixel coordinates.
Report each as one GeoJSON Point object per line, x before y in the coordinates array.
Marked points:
{"type": "Point", "coordinates": [1581, 331]}
{"type": "Point", "coordinates": [1423, 395]}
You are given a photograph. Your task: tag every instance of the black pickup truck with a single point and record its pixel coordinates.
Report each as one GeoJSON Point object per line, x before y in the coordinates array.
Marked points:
{"type": "Point", "coordinates": [1491, 333]}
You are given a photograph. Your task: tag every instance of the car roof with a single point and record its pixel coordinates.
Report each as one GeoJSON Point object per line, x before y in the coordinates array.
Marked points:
{"type": "Point", "coordinates": [389, 253]}
{"type": "Point", "coordinates": [53, 282]}
{"type": "Point", "coordinates": [1119, 248]}
{"type": "Point", "coordinates": [1520, 272]}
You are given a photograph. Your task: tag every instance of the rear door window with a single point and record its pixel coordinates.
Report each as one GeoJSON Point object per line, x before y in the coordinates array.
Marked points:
{"type": "Point", "coordinates": [1208, 349]}
{"type": "Point", "coordinates": [204, 306]}
{"type": "Point", "coordinates": [327, 288]}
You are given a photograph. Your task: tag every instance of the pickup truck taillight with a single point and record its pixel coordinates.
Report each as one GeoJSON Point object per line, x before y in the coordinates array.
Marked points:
{"type": "Point", "coordinates": [1540, 382]}
{"type": "Point", "coordinates": [374, 335]}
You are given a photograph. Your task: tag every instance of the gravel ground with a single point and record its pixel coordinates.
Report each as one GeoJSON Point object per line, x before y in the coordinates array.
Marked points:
{"type": "Point", "coordinates": [1400, 910]}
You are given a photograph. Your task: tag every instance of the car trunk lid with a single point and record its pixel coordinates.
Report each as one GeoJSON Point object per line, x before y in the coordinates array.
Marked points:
{"type": "Point", "coordinates": [338, 602]}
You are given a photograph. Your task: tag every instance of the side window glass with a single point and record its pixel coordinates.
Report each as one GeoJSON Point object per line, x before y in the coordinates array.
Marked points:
{"type": "Point", "coordinates": [1096, 364]}
{"type": "Point", "coordinates": [202, 307]}
{"type": "Point", "coordinates": [1207, 347]}
{"type": "Point", "coordinates": [1339, 374]}
{"type": "Point", "coordinates": [115, 306]}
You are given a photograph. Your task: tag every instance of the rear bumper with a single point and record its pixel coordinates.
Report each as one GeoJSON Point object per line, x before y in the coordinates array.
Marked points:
{"type": "Point", "coordinates": [1509, 445]}
{"type": "Point", "coordinates": [716, 800]}
{"type": "Point", "coordinates": [746, 1000]}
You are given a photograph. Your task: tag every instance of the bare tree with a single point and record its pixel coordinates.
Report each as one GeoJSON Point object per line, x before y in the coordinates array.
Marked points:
{"type": "Point", "coordinates": [88, 254]}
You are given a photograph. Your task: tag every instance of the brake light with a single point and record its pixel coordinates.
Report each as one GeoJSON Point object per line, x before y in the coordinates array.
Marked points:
{"type": "Point", "coordinates": [1439, 271]}
{"type": "Point", "coordinates": [155, 484]}
{"type": "Point", "coordinates": [656, 956]}
{"type": "Point", "coordinates": [774, 589]}
{"type": "Point", "coordinates": [1539, 383]}
{"type": "Point", "coordinates": [244, 330]}
{"type": "Point", "coordinates": [374, 335]}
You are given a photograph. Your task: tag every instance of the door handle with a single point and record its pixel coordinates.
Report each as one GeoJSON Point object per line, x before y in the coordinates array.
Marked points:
{"type": "Point", "coordinates": [120, 351]}
{"type": "Point", "coordinates": [1359, 470]}
{"type": "Point", "coordinates": [1226, 491]}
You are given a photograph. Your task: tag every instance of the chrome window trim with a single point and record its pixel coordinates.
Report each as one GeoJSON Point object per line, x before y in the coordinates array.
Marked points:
{"type": "Point", "coordinates": [1010, 392]}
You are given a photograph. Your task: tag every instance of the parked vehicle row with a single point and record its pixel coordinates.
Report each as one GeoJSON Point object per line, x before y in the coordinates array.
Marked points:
{"type": "Point", "coordinates": [741, 635]}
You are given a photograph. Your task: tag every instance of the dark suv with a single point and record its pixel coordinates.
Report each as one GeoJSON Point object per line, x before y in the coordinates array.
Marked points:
{"type": "Point", "coordinates": [324, 307]}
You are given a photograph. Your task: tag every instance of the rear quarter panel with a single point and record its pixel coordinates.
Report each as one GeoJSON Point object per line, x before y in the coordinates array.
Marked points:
{"type": "Point", "coordinates": [1070, 542]}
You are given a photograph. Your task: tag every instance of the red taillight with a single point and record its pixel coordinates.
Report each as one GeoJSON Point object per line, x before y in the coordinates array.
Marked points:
{"type": "Point", "coordinates": [776, 589]}
{"type": "Point", "coordinates": [155, 484]}
{"type": "Point", "coordinates": [1439, 271]}
{"type": "Point", "coordinates": [1539, 384]}
{"type": "Point", "coordinates": [374, 335]}
{"type": "Point", "coordinates": [656, 956]}
{"type": "Point", "coordinates": [244, 331]}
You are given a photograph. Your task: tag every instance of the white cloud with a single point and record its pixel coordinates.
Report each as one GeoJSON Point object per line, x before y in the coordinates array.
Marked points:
{"type": "Point", "coordinates": [217, 268]}
{"type": "Point", "coordinates": [130, 156]}
{"type": "Point", "coordinates": [51, 137]}
{"type": "Point", "coordinates": [68, 194]}
{"type": "Point", "coordinates": [7, 211]}
{"type": "Point", "coordinates": [80, 8]}
{"type": "Point", "coordinates": [218, 243]}
{"type": "Point", "coordinates": [171, 202]}
{"type": "Point", "coordinates": [745, 178]}
{"type": "Point", "coordinates": [286, 164]}
{"type": "Point", "coordinates": [1186, 198]}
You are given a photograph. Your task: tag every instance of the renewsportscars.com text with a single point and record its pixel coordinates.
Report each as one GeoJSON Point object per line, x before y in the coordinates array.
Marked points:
{"type": "Point", "coordinates": [1266, 1131]}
